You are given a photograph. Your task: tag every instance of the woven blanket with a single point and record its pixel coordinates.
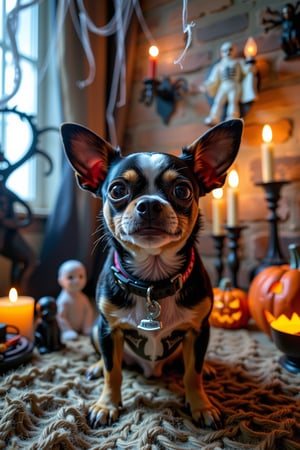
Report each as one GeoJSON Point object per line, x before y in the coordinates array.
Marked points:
{"type": "Point", "coordinates": [44, 403]}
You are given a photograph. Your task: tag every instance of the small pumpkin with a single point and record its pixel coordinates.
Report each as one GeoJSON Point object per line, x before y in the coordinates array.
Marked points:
{"type": "Point", "coordinates": [276, 289]}
{"type": "Point", "coordinates": [230, 307]}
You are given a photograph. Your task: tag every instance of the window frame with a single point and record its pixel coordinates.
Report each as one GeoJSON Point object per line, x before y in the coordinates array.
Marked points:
{"type": "Point", "coordinates": [47, 111]}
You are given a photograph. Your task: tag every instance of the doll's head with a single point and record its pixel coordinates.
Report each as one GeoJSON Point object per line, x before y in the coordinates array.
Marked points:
{"type": "Point", "coordinates": [72, 276]}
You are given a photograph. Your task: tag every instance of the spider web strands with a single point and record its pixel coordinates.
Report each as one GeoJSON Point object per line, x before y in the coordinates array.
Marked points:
{"type": "Point", "coordinates": [83, 24]}
{"type": "Point", "coordinates": [187, 28]}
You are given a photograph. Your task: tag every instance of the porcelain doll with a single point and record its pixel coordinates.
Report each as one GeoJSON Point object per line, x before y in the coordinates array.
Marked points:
{"type": "Point", "coordinates": [75, 314]}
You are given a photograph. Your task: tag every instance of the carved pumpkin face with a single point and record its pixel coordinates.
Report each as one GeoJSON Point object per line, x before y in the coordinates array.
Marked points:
{"type": "Point", "coordinates": [230, 307]}
{"type": "Point", "coordinates": [276, 289]}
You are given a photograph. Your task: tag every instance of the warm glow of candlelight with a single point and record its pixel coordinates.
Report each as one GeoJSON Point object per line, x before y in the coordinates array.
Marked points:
{"type": "Point", "coordinates": [217, 193]}
{"type": "Point", "coordinates": [267, 154]}
{"type": "Point", "coordinates": [250, 49]}
{"type": "Point", "coordinates": [267, 134]}
{"type": "Point", "coordinates": [13, 295]}
{"type": "Point", "coordinates": [18, 311]}
{"type": "Point", "coordinates": [233, 179]}
{"type": "Point", "coordinates": [153, 54]}
{"type": "Point", "coordinates": [153, 51]}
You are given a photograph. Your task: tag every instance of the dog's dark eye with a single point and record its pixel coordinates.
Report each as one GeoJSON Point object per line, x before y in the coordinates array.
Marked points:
{"type": "Point", "coordinates": [118, 190]}
{"type": "Point", "coordinates": [182, 191]}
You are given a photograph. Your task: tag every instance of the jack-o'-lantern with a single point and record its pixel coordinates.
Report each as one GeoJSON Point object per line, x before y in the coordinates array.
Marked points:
{"type": "Point", "coordinates": [230, 307]}
{"type": "Point", "coordinates": [276, 289]}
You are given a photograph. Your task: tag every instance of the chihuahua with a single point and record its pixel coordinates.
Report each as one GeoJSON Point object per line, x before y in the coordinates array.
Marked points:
{"type": "Point", "coordinates": [154, 294]}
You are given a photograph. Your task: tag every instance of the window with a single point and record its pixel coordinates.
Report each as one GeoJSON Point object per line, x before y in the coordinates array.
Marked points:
{"type": "Point", "coordinates": [37, 96]}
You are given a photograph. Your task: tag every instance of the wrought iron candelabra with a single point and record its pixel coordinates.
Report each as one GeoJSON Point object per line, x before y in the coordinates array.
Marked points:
{"type": "Point", "coordinates": [274, 255]}
{"type": "Point", "coordinates": [219, 245]}
{"type": "Point", "coordinates": [233, 260]}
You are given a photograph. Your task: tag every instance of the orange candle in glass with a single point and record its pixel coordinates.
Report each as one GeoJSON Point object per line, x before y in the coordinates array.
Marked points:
{"type": "Point", "coordinates": [18, 311]}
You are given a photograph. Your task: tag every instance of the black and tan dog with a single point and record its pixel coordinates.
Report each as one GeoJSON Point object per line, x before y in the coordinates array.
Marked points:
{"type": "Point", "coordinates": [154, 295]}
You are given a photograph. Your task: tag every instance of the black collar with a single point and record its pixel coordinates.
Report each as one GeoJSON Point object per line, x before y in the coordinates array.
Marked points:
{"type": "Point", "coordinates": [156, 290]}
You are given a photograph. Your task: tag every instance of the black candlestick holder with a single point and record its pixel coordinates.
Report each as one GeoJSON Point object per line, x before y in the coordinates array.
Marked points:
{"type": "Point", "coordinates": [233, 260]}
{"type": "Point", "coordinates": [274, 255]}
{"type": "Point", "coordinates": [219, 265]}
{"type": "Point", "coordinates": [165, 93]}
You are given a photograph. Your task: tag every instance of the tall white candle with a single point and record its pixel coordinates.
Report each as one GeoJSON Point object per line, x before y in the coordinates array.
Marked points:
{"type": "Point", "coordinates": [267, 148]}
{"type": "Point", "coordinates": [232, 199]}
{"type": "Point", "coordinates": [217, 211]}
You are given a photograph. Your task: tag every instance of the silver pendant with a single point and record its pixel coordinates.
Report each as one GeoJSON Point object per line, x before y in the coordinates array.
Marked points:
{"type": "Point", "coordinates": [152, 310]}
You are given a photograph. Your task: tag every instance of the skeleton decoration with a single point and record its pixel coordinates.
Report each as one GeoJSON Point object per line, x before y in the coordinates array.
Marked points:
{"type": "Point", "coordinates": [231, 83]}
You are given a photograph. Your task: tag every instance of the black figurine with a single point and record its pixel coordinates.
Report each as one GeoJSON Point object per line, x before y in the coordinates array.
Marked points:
{"type": "Point", "coordinates": [47, 334]}
{"type": "Point", "coordinates": [289, 20]}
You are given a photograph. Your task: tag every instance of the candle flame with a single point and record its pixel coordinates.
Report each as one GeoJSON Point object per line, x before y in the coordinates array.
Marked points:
{"type": "Point", "coordinates": [13, 295]}
{"type": "Point", "coordinates": [153, 51]}
{"type": "Point", "coordinates": [233, 179]}
{"type": "Point", "coordinates": [250, 49]}
{"type": "Point", "coordinates": [267, 133]}
{"type": "Point", "coordinates": [217, 193]}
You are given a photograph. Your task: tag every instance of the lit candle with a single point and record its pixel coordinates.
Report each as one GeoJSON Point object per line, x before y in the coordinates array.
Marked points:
{"type": "Point", "coordinates": [153, 54]}
{"type": "Point", "coordinates": [250, 49]}
{"type": "Point", "coordinates": [217, 211]}
{"type": "Point", "coordinates": [267, 154]}
{"type": "Point", "coordinates": [232, 199]}
{"type": "Point", "coordinates": [19, 312]}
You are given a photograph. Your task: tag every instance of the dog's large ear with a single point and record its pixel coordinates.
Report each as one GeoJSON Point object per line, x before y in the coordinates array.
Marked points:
{"type": "Point", "coordinates": [214, 152]}
{"type": "Point", "coordinates": [89, 156]}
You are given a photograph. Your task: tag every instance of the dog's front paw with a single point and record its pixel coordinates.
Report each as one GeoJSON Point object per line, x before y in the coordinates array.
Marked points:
{"type": "Point", "coordinates": [207, 417]}
{"type": "Point", "coordinates": [101, 414]}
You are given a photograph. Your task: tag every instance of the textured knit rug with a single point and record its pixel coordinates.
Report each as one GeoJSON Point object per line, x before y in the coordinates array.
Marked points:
{"type": "Point", "coordinates": [43, 405]}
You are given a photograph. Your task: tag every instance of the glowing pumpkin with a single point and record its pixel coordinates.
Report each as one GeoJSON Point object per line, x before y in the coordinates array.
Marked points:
{"type": "Point", "coordinates": [276, 289]}
{"type": "Point", "coordinates": [230, 307]}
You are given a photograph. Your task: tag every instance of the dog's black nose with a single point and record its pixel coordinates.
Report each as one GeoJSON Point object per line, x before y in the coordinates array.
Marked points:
{"type": "Point", "coordinates": [148, 207]}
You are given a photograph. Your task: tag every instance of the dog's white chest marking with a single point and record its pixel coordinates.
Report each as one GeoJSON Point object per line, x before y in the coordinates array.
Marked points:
{"type": "Point", "coordinates": [152, 349]}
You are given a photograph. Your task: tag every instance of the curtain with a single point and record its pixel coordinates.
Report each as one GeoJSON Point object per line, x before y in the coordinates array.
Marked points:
{"type": "Point", "coordinates": [70, 230]}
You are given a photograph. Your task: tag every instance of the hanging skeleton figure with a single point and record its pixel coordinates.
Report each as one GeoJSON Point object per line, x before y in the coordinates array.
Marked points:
{"type": "Point", "coordinates": [231, 82]}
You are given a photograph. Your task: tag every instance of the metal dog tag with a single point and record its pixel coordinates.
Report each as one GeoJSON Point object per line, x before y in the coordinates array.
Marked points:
{"type": "Point", "coordinates": [152, 312]}
{"type": "Point", "coordinates": [149, 325]}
